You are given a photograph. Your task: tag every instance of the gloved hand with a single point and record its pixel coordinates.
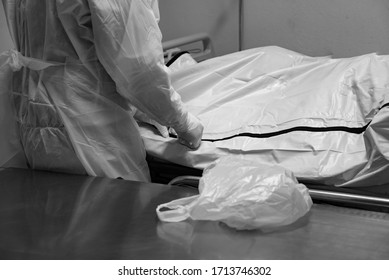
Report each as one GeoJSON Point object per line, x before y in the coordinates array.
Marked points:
{"type": "Point", "coordinates": [190, 135]}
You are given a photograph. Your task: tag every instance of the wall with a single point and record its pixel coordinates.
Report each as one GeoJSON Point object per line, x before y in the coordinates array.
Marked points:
{"type": "Point", "coordinates": [342, 28]}
{"type": "Point", "coordinates": [218, 18]}
{"type": "Point", "coordinates": [5, 38]}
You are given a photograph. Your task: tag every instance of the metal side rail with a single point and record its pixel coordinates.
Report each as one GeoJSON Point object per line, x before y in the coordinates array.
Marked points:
{"type": "Point", "coordinates": [349, 198]}
{"type": "Point", "coordinates": [203, 39]}
{"type": "Point", "coordinates": [344, 197]}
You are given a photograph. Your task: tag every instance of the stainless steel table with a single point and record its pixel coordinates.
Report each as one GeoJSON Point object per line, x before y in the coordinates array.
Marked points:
{"type": "Point", "coordinates": [56, 216]}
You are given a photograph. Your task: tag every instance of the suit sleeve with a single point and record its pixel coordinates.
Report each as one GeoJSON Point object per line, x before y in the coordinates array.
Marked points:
{"type": "Point", "coordinates": [128, 44]}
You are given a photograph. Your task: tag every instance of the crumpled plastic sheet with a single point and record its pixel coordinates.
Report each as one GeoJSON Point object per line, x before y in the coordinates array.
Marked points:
{"type": "Point", "coordinates": [244, 195]}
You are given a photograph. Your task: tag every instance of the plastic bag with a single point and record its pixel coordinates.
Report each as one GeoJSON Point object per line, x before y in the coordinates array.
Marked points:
{"type": "Point", "coordinates": [244, 195]}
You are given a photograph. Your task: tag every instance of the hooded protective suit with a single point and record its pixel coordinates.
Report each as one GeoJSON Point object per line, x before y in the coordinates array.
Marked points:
{"type": "Point", "coordinates": [79, 68]}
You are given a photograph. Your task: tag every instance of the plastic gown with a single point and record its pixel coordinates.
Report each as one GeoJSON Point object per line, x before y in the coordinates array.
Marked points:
{"type": "Point", "coordinates": [79, 68]}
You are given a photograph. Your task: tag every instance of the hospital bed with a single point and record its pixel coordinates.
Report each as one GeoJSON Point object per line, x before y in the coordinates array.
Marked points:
{"type": "Point", "coordinates": [172, 163]}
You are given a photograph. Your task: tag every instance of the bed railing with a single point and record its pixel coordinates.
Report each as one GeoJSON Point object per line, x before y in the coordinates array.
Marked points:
{"type": "Point", "coordinates": [198, 45]}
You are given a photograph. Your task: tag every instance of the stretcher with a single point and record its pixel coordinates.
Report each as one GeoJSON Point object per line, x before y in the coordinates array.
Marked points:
{"type": "Point", "coordinates": [324, 119]}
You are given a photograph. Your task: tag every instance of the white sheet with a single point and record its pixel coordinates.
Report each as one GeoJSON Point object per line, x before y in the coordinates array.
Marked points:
{"type": "Point", "coordinates": [324, 119]}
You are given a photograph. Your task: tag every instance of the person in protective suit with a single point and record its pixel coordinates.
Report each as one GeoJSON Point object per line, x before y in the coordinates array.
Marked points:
{"type": "Point", "coordinates": [80, 69]}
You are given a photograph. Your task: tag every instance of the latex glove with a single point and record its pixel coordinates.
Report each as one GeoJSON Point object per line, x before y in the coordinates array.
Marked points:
{"type": "Point", "coordinates": [191, 135]}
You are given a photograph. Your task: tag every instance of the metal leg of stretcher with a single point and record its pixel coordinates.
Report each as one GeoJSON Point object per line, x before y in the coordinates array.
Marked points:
{"type": "Point", "coordinates": [319, 194]}
{"type": "Point", "coordinates": [357, 200]}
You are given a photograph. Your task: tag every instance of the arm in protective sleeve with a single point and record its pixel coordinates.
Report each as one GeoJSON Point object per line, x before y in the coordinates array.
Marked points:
{"type": "Point", "coordinates": [128, 44]}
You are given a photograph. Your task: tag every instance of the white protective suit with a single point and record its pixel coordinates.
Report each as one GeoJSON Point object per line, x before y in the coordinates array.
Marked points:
{"type": "Point", "coordinates": [79, 68]}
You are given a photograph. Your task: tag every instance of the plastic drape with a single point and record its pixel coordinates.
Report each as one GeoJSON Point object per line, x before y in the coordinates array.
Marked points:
{"type": "Point", "coordinates": [324, 119]}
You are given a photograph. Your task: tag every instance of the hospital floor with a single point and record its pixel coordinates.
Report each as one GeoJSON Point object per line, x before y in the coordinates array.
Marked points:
{"type": "Point", "coordinates": [47, 215]}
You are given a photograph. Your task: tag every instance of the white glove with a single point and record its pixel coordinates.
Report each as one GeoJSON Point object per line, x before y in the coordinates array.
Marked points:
{"type": "Point", "coordinates": [191, 133]}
